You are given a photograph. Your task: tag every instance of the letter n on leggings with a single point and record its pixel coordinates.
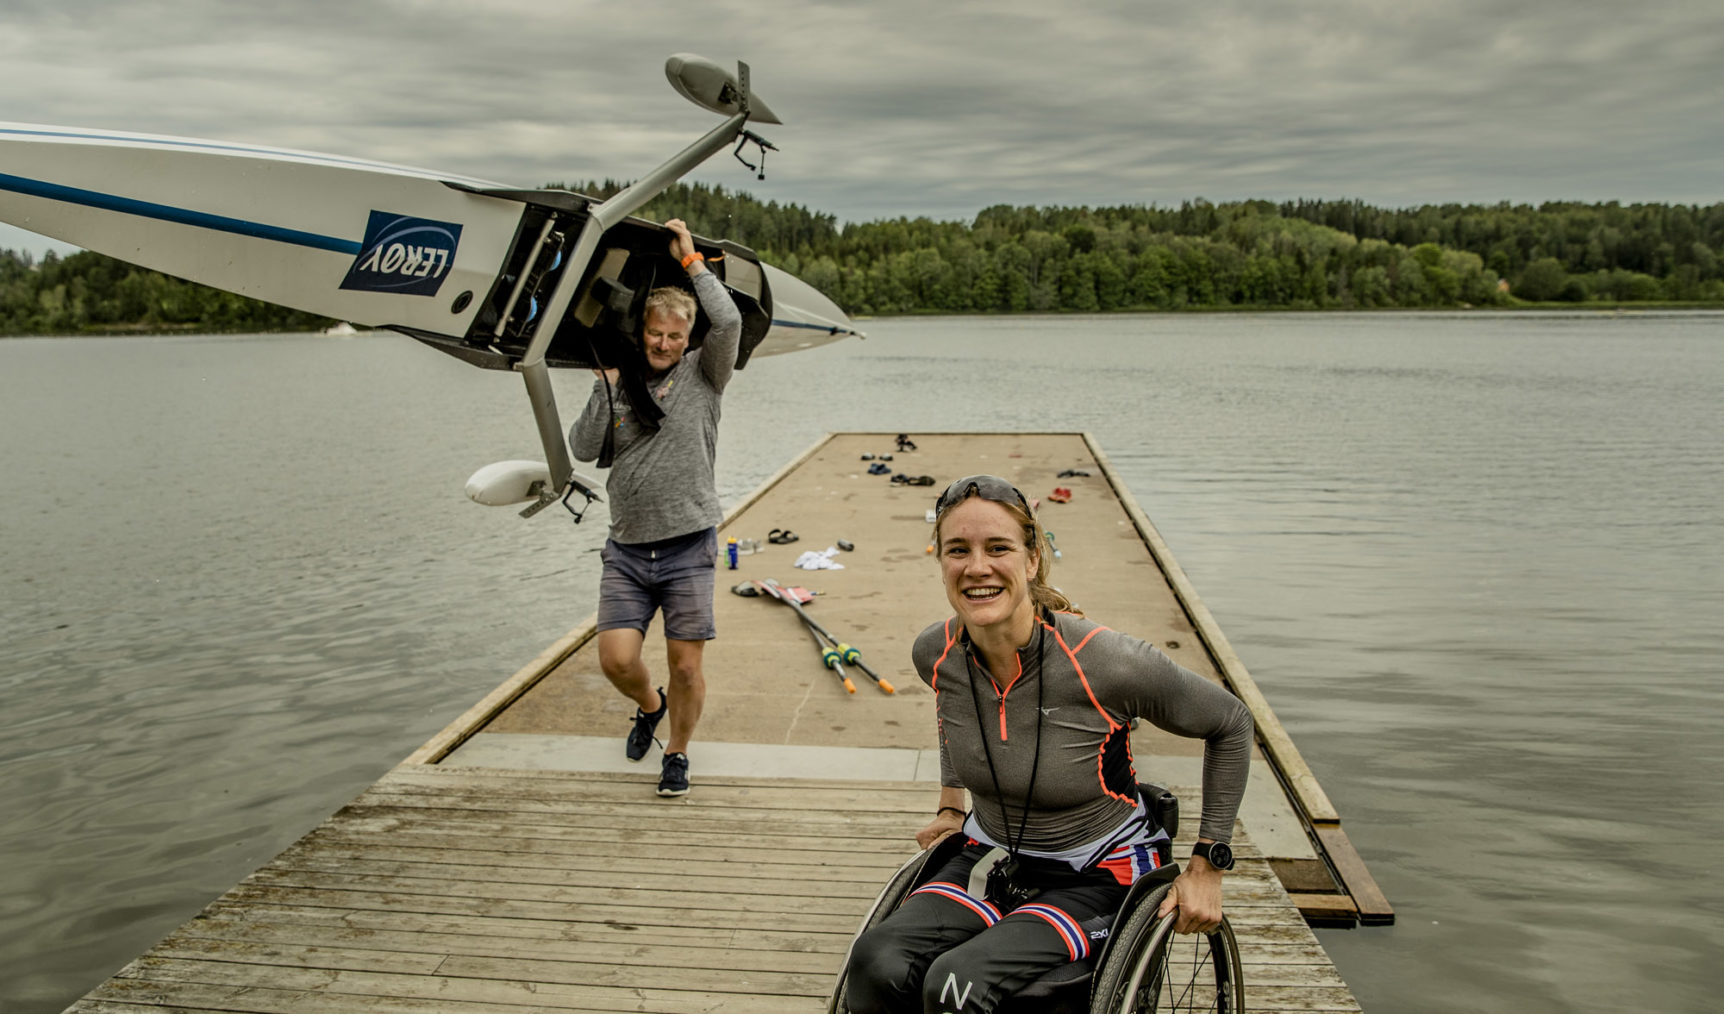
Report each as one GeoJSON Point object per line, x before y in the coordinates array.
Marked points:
{"type": "Point", "coordinates": [951, 987]}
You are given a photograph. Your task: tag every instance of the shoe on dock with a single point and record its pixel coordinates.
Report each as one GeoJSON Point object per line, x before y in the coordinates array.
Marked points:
{"type": "Point", "coordinates": [640, 737]}
{"type": "Point", "coordinates": [674, 780]}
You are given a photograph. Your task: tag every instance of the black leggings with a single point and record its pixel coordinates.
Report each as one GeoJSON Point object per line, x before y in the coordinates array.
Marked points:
{"type": "Point", "coordinates": [945, 950]}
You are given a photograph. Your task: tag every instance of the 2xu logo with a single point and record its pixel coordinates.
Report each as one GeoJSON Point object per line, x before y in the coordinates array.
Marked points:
{"type": "Point", "coordinates": [410, 256]}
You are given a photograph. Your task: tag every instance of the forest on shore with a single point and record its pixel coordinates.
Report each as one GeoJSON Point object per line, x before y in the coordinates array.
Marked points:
{"type": "Point", "coordinates": [1297, 255]}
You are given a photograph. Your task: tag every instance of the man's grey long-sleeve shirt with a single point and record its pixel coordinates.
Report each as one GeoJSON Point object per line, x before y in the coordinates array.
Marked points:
{"type": "Point", "coordinates": [661, 483]}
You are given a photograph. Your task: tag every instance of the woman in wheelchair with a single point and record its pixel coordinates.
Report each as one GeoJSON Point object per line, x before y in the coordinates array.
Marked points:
{"type": "Point", "coordinates": [1035, 705]}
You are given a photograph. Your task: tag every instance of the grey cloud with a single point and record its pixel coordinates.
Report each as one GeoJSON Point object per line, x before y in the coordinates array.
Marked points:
{"type": "Point", "coordinates": [898, 107]}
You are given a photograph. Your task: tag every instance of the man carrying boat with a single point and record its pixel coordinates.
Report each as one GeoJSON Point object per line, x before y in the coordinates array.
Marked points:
{"type": "Point", "coordinates": [664, 506]}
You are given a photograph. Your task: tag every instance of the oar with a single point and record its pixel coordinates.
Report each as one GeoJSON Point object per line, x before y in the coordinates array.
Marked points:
{"type": "Point", "coordinates": [831, 659]}
{"type": "Point", "coordinates": [854, 657]}
{"type": "Point", "coordinates": [849, 655]}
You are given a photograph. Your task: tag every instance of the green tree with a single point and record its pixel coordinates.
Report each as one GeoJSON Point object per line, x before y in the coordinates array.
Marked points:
{"type": "Point", "coordinates": [1542, 280]}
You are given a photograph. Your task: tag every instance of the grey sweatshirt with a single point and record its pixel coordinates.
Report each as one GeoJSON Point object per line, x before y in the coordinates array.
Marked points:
{"type": "Point", "coordinates": [1096, 681]}
{"type": "Point", "coordinates": [661, 484]}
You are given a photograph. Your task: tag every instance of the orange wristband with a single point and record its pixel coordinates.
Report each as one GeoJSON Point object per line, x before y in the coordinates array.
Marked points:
{"type": "Point", "coordinates": [691, 258]}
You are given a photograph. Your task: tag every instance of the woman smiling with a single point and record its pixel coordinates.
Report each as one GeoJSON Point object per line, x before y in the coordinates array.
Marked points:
{"type": "Point", "coordinates": [1035, 705]}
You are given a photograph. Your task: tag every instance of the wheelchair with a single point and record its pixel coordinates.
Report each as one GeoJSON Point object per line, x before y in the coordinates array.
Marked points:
{"type": "Point", "coordinates": [1142, 967]}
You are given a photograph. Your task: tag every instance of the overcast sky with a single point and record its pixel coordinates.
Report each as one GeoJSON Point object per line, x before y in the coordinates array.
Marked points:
{"type": "Point", "coordinates": [924, 107]}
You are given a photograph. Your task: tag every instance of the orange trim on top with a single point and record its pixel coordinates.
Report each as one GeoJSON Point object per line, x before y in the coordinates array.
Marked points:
{"type": "Point", "coordinates": [934, 682]}
{"type": "Point", "coordinates": [1112, 726]}
{"type": "Point", "coordinates": [1086, 638]}
{"type": "Point", "coordinates": [950, 640]}
{"type": "Point", "coordinates": [1078, 667]}
{"type": "Point", "coordinates": [1020, 657]}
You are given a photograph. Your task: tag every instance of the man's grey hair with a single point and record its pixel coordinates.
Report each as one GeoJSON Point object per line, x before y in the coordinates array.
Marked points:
{"type": "Point", "coordinates": [672, 300]}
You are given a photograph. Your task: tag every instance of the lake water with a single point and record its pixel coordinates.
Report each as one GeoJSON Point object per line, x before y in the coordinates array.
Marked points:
{"type": "Point", "coordinates": [1474, 561]}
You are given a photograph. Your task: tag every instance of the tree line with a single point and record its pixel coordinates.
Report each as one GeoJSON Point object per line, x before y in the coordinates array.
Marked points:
{"type": "Point", "coordinates": [88, 292]}
{"type": "Point", "coordinates": [1259, 254]}
{"type": "Point", "coordinates": [1247, 254]}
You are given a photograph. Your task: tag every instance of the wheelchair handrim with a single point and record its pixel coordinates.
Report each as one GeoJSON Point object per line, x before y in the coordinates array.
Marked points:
{"type": "Point", "coordinates": [1219, 958]}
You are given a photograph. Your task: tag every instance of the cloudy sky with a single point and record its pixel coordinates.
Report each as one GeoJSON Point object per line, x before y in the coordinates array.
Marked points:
{"type": "Point", "coordinates": [929, 107]}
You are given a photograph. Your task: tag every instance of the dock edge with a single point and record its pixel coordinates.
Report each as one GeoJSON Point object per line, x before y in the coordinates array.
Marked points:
{"type": "Point", "coordinates": [1322, 821]}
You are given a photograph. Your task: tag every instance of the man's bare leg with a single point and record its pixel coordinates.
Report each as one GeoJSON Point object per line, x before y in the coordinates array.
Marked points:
{"type": "Point", "coordinates": [687, 690]}
{"type": "Point", "coordinates": [620, 658]}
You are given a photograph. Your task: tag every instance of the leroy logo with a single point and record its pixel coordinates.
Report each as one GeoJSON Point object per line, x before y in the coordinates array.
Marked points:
{"type": "Point", "coordinates": [410, 256]}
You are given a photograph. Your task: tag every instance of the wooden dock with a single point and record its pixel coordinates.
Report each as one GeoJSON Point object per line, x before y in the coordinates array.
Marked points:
{"type": "Point", "coordinates": [517, 863]}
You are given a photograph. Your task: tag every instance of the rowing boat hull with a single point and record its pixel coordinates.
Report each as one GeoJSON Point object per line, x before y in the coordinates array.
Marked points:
{"type": "Point", "coordinates": [373, 243]}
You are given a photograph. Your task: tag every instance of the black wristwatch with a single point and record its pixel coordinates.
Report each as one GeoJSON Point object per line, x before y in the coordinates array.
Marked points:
{"type": "Point", "coordinates": [1218, 853]}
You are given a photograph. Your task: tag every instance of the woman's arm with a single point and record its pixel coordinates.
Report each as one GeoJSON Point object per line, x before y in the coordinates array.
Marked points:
{"type": "Point", "coordinates": [1175, 699]}
{"type": "Point", "coordinates": [1181, 701]}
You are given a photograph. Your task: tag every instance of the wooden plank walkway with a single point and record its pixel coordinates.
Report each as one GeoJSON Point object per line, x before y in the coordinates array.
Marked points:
{"type": "Point", "coordinates": [454, 889]}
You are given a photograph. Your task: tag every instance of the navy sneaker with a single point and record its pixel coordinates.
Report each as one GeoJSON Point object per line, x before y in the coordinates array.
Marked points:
{"type": "Point", "coordinates": [674, 781]}
{"type": "Point", "coordinates": [640, 737]}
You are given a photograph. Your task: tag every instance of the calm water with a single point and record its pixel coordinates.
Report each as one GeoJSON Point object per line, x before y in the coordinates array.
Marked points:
{"type": "Point", "coordinates": [1474, 561]}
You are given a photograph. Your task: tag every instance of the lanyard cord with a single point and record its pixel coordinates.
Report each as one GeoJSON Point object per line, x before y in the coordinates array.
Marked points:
{"type": "Point", "coordinates": [981, 730]}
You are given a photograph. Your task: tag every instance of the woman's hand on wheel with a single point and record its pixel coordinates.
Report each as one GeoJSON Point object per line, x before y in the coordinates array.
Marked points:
{"type": "Point", "coordinates": [943, 824]}
{"type": "Point", "coordinates": [1196, 894]}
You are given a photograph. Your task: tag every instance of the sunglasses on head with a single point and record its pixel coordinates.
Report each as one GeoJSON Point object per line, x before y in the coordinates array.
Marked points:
{"type": "Point", "coordinates": [988, 487]}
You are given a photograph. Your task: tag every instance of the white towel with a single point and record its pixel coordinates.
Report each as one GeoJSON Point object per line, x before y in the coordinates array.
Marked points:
{"type": "Point", "coordinates": [819, 559]}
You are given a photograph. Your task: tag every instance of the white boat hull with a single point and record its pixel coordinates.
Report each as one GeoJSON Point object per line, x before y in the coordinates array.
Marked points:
{"type": "Point", "coordinates": [379, 245]}
{"type": "Point", "coordinates": [281, 226]}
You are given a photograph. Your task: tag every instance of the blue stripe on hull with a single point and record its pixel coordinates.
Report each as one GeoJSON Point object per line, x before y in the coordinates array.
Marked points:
{"type": "Point", "coordinates": [181, 216]}
{"type": "Point", "coordinates": [828, 328]}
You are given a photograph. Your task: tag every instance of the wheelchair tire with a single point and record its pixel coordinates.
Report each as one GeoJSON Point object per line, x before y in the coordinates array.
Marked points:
{"type": "Point", "coordinates": [885, 903]}
{"type": "Point", "coordinates": [1149, 967]}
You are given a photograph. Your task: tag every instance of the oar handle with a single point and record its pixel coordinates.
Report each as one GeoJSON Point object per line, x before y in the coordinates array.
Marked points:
{"type": "Point", "coordinates": [854, 657]}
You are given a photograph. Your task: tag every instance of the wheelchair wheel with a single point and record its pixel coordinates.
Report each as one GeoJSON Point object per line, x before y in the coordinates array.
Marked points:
{"type": "Point", "coordinates": [885, 903]}
{"type": "Point", "coordinates": [1149, 967]}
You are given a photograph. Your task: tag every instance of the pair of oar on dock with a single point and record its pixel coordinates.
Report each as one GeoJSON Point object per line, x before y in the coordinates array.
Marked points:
{"type": "Point", "coordinates": [833, 653]}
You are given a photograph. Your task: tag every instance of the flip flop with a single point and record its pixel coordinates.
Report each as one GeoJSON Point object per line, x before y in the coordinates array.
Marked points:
{"type": "Point", "coordinates": [1060, 495]}
{"type": "Point", "coordinates": [781, 536]}
{"type": "Point", "coordinates": [913, 480]}
{"type": "Point", "coordinates": [878, 469]}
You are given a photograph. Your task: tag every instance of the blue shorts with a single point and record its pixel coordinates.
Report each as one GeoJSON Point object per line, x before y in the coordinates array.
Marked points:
{"type": "Point", "coordinates": [675, 575]}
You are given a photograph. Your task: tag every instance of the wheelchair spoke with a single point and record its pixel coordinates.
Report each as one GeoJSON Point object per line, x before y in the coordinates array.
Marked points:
{"type": "Point", "coordinates": [1185, 979]}
{"type": "Point", "coordinates": [1182, 974]}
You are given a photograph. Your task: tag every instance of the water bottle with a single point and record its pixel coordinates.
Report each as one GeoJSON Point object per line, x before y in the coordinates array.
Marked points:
{"type": "Point", "coordinates": [730, 551]}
